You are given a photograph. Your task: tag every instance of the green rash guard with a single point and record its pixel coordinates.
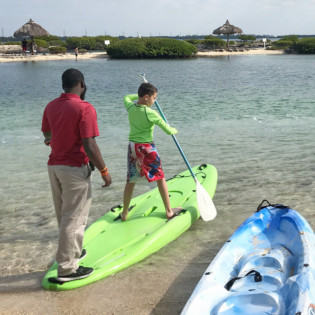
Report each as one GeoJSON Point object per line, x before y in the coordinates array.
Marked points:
{"type": "Point", "coordinates": [142, 120]}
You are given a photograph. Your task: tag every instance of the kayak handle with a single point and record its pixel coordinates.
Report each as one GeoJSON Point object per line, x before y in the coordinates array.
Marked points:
{"type": "Point", "coordinates": [261, 206]}
{"type": "Point", "coordinates": [257, 278]}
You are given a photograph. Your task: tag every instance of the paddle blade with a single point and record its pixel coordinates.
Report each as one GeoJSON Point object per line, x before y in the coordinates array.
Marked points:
{"type": "Point", "coordinates": [206, 206]}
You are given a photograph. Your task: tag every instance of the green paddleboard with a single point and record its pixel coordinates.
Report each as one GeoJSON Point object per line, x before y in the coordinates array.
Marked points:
{"type": "Point", "coordinates": [113, 245]}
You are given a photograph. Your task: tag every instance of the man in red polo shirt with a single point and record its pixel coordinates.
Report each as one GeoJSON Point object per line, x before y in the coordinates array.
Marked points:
{"type": "Point", "coordinates": [70, 126]}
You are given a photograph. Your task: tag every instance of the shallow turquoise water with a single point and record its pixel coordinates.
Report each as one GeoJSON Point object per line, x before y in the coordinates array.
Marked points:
{"type": "Point", "coordinates": [253, 117]}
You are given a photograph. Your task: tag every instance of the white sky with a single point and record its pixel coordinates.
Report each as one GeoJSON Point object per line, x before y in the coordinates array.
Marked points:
{"type": "Point", "coordinates": [159, 17]}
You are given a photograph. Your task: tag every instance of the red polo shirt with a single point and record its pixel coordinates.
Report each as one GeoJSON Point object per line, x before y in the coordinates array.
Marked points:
{"type": "Point", "coordinates": [70, 120]}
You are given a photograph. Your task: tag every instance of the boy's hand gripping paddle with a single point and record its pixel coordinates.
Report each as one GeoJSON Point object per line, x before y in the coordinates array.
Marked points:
{"type": "Point", "coordinates": [206, 206]}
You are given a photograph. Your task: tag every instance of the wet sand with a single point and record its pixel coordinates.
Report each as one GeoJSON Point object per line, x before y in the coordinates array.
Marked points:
{"type": "Point", "coordinates": [91, 55]}
{"type": "Point", "coordinates": [140, 289]}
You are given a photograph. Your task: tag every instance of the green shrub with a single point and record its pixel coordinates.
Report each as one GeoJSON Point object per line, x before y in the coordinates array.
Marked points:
{"type": "Point", "coordinates": [246, 38]}
{"type": "Point", "coordinates": [211, 37]}
{"type": "Point", "coordinates": [100, 45]}
{"type": "Point", "coordinates": [282, 44]}
{"type": "Point", "coordinates": [305, 46]}
{"type": "Point", "coordinates": [57, 50]}
{"type": "Point", "coordinates": [48, 39]}
{"type": "Point", "coordinates": [73, 42]}
{"type": "Point", "coordinates": [12, 43]}
{"type": "Point", "coordinates": [151, 48]}
{"type": "Point", "coordinates": [127, 48]}
{"type": "Point", "coordinates": [194, 41]}
{"type": "Point", "coordinates": [58, 42]}
{"type": "Point", "coordinates": [41, 43]}
{"type": "Point", "coordinates": [213, 43]}
{"type": "Point", "coordinates": [292, 38]}
{"type": "Point", "coordinates": [82, 51]}
{"type": "Point", "coordinates": [89, 43]}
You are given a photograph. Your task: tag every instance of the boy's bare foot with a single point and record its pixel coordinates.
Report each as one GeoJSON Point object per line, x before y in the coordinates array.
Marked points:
{"type": "Point", "coordinates": [123, 216]}
{"type": "Point", "coordinates": [173, 212]}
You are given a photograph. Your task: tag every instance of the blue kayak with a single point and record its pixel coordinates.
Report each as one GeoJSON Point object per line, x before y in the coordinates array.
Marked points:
{"type": "Point", "coordinates": [266, 267]}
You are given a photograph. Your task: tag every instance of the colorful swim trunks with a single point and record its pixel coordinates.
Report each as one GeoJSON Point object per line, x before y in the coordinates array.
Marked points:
{"type": "Point", "coordinates": [143, 160]}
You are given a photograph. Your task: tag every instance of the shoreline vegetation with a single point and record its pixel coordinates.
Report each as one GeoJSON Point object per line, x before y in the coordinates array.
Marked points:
{"type": "Point", "coordinates": [99, 55]}
{"type": "Point", "coordinates": [53, 48]}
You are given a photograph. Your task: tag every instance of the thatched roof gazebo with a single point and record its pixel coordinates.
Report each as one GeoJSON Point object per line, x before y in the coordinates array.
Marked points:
{"type": "Point", "coordinates": [227, 29]}
{"type": "Point", "coordinates": [31, 29]}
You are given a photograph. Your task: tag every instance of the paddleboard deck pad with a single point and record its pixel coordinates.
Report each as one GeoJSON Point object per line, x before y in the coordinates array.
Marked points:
{"type": "Point", "coordinates": [266, 267]}
{"type": "Point", "coordinates": [113, 245]}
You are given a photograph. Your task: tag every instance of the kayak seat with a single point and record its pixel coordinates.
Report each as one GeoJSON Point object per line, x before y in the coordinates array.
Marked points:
{"type": "Point", "coordinates": [271, 280]}
{"type": "Point", "coordinates": [252, 303]}
{"type": "Point", "coordinates": [278, 258]}
{"type": "Point", "coordinates": [272, 264]}
{"type": "Point", "coordinates": [254, 261]}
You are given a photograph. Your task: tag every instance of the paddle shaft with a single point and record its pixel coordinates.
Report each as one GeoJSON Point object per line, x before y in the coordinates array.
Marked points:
{"type": "Point", "coordinates": [176, 142]}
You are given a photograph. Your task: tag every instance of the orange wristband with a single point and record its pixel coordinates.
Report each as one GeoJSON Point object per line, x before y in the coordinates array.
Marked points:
{"type": "Point", "coordinates": [104, 171]}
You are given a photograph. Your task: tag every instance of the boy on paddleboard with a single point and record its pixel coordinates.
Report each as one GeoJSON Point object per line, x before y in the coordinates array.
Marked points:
{"type": "Point", "coordinates": [143, 158]}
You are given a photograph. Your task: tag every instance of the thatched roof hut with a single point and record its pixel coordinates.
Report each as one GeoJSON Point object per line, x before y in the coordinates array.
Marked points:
{"type": "Point", "coordinates": [31, 29]}
{"type": "Point", "coordinates": [227, 29]}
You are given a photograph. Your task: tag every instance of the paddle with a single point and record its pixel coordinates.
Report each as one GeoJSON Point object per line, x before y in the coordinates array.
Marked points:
{"type": "Point", "coordinates": [206, 207]}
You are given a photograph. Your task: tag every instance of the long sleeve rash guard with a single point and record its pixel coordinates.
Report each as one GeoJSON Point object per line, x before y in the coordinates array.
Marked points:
{"type": "Point", "coordinates": [142, 120]}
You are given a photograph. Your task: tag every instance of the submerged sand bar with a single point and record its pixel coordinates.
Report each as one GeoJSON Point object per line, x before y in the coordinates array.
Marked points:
{"type": "Point", "coordinates": [93, 55]}
{"type": "Point", "coordinates": [245, 52]}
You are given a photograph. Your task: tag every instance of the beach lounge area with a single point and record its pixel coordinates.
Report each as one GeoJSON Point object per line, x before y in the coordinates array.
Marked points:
{"type": "Point", "coordinates": [18, 57]}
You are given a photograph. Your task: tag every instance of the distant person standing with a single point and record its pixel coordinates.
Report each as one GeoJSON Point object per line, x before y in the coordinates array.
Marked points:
{"type": "Point", "coordinates": [24, 46]}
{"type": "Point", "coordinates": [76, 52]}
{"type": "Point", "coordinates": [70, 126]}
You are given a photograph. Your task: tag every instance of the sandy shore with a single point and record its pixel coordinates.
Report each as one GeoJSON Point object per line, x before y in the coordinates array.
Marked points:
{"type": "Point", "coordinates": [246, 52]}
{"type": "Point", "coordinates": [92, 55]}
{"type": "Point", "coordinates": [41, 57]}
{"type": "Point", "coordinates": [139, 290]}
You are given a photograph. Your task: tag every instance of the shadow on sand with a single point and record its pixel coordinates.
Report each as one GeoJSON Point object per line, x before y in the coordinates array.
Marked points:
{"type": "Point", "coordinates": [175, 298]}
{"type": "Point", "coordinates": [29, 282]}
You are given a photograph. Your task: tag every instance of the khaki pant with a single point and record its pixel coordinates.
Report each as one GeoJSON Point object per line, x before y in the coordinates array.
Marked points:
{"type": "Point", "coordinates": [71, 191]}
